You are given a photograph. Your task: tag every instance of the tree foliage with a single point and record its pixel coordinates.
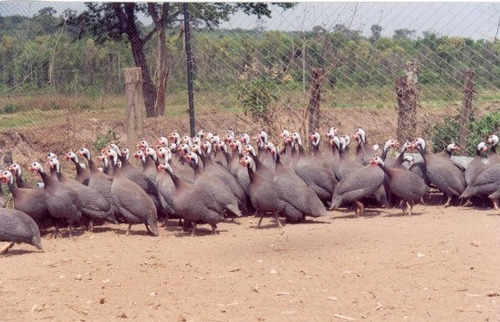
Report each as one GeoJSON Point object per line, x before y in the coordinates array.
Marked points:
{"type": "Point", "coordinates": [48, 53]}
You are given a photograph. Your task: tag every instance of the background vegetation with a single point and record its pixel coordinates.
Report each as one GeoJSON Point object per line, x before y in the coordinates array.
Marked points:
{"type": "Point", "coordinates": [240, 70]}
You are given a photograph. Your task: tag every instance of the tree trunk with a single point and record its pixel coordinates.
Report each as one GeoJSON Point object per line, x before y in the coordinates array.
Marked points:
{"type": "Point", "coordinates": [135, 107]}
{"type": "Point", "coordinates": [313, 107]}
{"type": "Point", "coordinates": [466, 112]}
{"type": "Point", "coordinates": [162, 66]}
{"type": "Point", "coordinates": [127, 18]}
{"type": "Point", "coordinates": [407, 93]}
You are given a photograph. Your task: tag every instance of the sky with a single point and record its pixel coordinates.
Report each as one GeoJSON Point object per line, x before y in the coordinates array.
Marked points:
{"type": "Point", "coordinates": [476, 20]}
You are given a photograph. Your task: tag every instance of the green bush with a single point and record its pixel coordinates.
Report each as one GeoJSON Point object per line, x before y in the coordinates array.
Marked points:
{"type": "Point", "coordinates": [442, 134]}
{"type": "Point", "coordinates": [10, 109]}
{"type": "Point", "coordinates": [103, 140]}
{"type": "Point", "coordinates": [257, 95]}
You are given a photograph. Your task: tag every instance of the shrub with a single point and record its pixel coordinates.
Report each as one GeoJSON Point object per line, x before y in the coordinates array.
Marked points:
{"type": "Point", "coordinates": [257, 95]}
{"type": "Point", "coordinates": [441, 134]}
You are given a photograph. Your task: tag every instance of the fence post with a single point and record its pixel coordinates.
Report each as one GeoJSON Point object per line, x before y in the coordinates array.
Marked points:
{"type": "Point", "coordinates": [313, 107]}
{"type": "Point", "coordinates": [406, 91]}
{"type": "Point", "coordinates": [466, 112]}
{"type": "Point", "coordinates": [135, 104]}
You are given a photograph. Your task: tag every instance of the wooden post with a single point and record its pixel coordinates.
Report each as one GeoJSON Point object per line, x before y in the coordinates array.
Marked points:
{"type": "Point", "coordinates": [466, 112]}
{"type": "Point", "coordinates": [135, 104]}
{"type": "Point", "coordinates": [313, 107]}
{"type": "Point", "coordinates": [406, 91]}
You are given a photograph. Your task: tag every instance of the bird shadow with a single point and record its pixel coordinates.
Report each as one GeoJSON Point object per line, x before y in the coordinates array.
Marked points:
{"type": "Point", "coordinates": [270, 225]}
{"type": "Point", "coordinates": [200, 232]}
{"type": "Point", "coordinates": [313, 221]}
{"type": "Point", "coordinates": [133, 232]}
{"type": "Point", "coordinates": [401, 214]}
{"type": "Point", "coordinates": [368, 213]}
{"type": "Point", "coordinates": [17, 252]}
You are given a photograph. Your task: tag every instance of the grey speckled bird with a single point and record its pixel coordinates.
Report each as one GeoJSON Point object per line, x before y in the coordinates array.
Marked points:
{"type": "Point", "coordinates": [359, 183]}
{"type": "Point", "coordinates": [131, 200]}
{"type": "Point", "coordinates": [404, 184]}
{"type": "Point", "coordinates": [193, 203]}
{"type": "Point", "coordinates": [18, 227]}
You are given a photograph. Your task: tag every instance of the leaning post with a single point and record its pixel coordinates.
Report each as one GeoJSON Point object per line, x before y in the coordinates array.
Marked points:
{"type": "Point", "coordinates": [466, 112]}
{"type": "Point", "coordinates": [407, 94]}
{"type": "Point", "coordinates": [135, 105]}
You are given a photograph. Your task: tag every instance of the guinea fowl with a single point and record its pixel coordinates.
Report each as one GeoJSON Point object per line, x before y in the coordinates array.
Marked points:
{"type": "Point", "coordinates": [476, 165]}
{"type": "Point", "coordinates": [16, 170]}
{"type": "Point", "coordinates": [346, 164]}
{"type": "Point", "coordinates": [448, 153]}
{"type": "Point", "coordinates": [29, 201]}
{"type": "Point", "coordinates": [334, 156]}
{"type": "Point", "coordinates": [493, 156]}
{"type": "Point", "coordinates": [405, 184]}
{"type": "Point", "coordinates": [82, 173]}
{"type": "Point", "coordinates": [62, 202]}
{"type": "Point", "coordinates": [235, 147]}
{"type": "Point", "coordinates": [99, 180]}
{"type": "Point", "coordinates": [302, 197]}
{"type": "Point", "coordinates": [193, 203]}
{"type": "Point", "coordinates": [315, 170]}
{"type": "Point", "coordinates": [2, 198]}
{"type": "Point", "coordinates": [485, 184]}
{"type": "Point", "coordinates": [95, 207]}
{"type": "Point", "coordinates": [494, 197]}
{"type": "Point", "coordinates": [442, 173]}
{"type": "Point", "coordinates": [265, 194]}
{"type": "Point", "coordinates": [137, 175]}
{"type": "Point", "coordinates": [364, 151]}
{"type": "Point", "coordinates": [265, 156]}
{"type": "Point", "coordinates": [398, 162]}
{"type": "Point", "coordinates": [214, 186]}
{"type": "Point", "coordinates": [356, 185]}
{"type": "Point", "coordinates": [164, 182]}
{"type": "Point", "coordinates": [18, 227]}
{"type": "Point", "coordinates": [222, 173]}
{"type": "Point", "coordinates": [287, 154]}
{"type": "Point", "coordinates": [148, 164]}
{"type": "Point", "coordinates": [132, 202]}
{"type": "Point", "coordinates": [178, 164]}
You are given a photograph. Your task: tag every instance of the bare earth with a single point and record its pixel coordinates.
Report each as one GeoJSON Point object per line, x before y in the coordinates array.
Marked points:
{"type": "Point", "coordinates": [440, 264]}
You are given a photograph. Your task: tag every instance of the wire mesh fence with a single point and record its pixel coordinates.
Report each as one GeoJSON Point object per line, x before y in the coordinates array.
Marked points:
{"type": "Point", "coordinates": [325, 58]}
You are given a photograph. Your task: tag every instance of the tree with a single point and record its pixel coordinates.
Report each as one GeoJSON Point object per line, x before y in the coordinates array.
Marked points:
{"type": "Point", "coordinates": [376, 33]}
{"type": "Point", "coordinates": [403, 33]}
{"type": "Point", "coordinates": [113, 21]}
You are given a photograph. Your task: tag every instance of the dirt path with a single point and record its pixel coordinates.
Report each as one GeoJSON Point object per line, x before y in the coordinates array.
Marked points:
{"type": "Point", "coordinates": [441, 264]}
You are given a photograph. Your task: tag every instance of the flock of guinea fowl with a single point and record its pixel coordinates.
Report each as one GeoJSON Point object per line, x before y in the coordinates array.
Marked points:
{"type": "Point", "coordinates": [208, 179]}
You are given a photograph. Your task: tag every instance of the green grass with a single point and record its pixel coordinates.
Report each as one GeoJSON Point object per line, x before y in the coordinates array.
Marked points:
{"type": "Point", "coordinates": [18, 111]}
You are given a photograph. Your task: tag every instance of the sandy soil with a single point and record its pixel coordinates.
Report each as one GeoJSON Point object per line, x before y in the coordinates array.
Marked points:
{"type": "Point", "coordinates": [441, 264]}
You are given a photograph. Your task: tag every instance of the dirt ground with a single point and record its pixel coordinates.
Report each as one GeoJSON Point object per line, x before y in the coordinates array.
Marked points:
{"type": "Point", "coordinates": [440, 264]}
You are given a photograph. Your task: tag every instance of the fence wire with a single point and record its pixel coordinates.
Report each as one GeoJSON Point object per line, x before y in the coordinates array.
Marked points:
{"type": "Point", "coordinates": [264, 66]}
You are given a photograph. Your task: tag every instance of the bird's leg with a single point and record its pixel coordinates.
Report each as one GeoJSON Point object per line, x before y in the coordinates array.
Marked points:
{"type": "Point", "coordinates": [495, 204]}
{"type": "Point", "coordinates": [56, 232]}
{"type": "Point", "coordinates": [91, 226]}
{"type": "Point", "coordinates": [70, 229]}
{"type": "Point", "coordinates": [261, 215]}
{"type": "Point", "coordinates": [410, 207]}
{"type": "Point", "coordinates": [128, 230]}
{"type": "Point", "coordinates": [277, 216]}
{"type": "Point", "coordinates": [360, 208]}
{"type": "Point", "coordinates": [6, 248]}
{"type": "Point", "coordinates": [214, 231]}
{"type": "Point", "coordinates": [447, 204]}
{"type": "Point", "coordinates": [193, 230]}
{"type": "Point", "coordinates": [468, 203]}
